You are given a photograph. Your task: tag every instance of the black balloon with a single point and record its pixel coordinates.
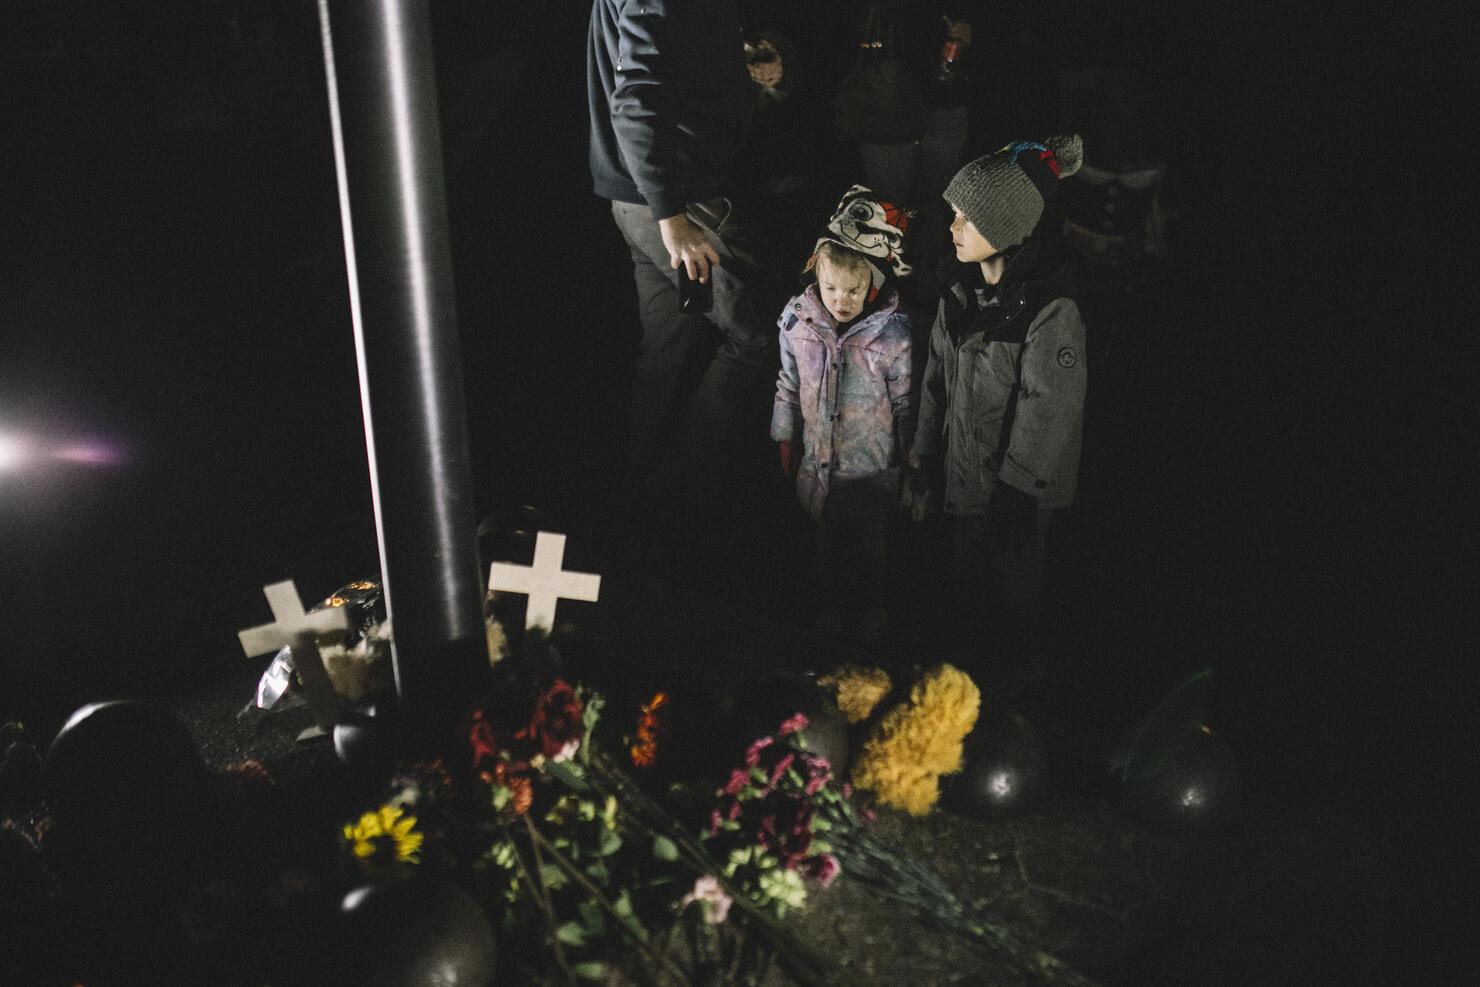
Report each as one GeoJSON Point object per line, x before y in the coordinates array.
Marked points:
{"type": "Point", "coordinates": [1192, 783]}
{"type": "Point", "coordinates": [1177, 774]}
{"type": "Point", "coordinates": [1003, 768]}
{"type": "Point", "coordinates": [367, 738]}
{"type": "Point", "coordinates": [115, 766]}
{"type": "Point", "coordinates": [415, 933]}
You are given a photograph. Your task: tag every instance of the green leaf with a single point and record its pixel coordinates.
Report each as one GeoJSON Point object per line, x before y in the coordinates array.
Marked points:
{"type": "Point", "coordinates": [592, 917]}
{"type": "Point", "coordinates": [571, 933]}
{"type": "Point", "coordinates": [569, 773]}
{"type": "Point", "coordinates": [552, 876]}
{"type": "Point", "coordinates": [590, 970]}
{"type": "Point", "coordinates": [608, 842]}
{"type": "Point", "coordinates": [664, 848]}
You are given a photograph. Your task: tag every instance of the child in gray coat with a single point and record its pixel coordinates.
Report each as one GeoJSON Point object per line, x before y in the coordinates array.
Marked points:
{"type": "Point", "coordinates": [1002, 398]}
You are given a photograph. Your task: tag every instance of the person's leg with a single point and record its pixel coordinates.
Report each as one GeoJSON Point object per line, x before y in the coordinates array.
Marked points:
{"type": "Point", "coordinates": [652, 495]}
{"type": "Point", "coordinates": [669, 337]}
{"type": "Point", "coordinates": [941, 152]}
{"type": "Point", "coordinates": [891, 171]}
{"type": "Point", "coordinates": [940, 155]}
{"type": "Point", "coordinates": [853, 556]}
{"type": "Point", "coordinates": [1015, 595]}
{"type": "Point", "coordinates": [747, 299]}
{"type": "Point", "coordinates": [970, 633]}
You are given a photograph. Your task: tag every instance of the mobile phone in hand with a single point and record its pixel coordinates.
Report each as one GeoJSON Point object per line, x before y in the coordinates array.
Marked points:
{"type": "Point", "coordinates": [694, 296]}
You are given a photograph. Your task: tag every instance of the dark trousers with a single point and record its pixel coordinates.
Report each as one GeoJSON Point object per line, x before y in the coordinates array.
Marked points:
{"type": "Point", "coordinates": [696, 373]}
{"type": "Point", "coordinates": [703, 384]}
{"type": "Point", "coordinates": [852, 557]}
{"type": "Point", "coordinates": [999, 572]}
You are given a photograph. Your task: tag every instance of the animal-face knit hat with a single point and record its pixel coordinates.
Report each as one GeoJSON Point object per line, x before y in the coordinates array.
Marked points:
{"type": "Point", "coordinates": [871, 227]}
{"type": "Point", "coordinates": [1003, 194]}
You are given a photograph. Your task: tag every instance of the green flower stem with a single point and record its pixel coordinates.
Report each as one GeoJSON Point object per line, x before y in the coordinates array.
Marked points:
{"type": "Point", "coordinates": [806, 964]}
{"type": "Point", "coordinates": [866, 859]}
{"type": "Point", "coordinates": [542, 896]}
{"type": "Point", "coordinates": [629, 925]}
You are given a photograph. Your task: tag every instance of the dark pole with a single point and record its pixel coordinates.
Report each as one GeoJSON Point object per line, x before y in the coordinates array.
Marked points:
{"type": "Point", "coordinates": [388, 156]}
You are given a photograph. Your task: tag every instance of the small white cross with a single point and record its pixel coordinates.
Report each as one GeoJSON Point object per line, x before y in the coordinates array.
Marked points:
{"type": "Point", "coordinates": [544, 581]}
{"type": "Point", "coordinates": [290, 623]}
{"type": "Point", "coordinates": [296, 630]}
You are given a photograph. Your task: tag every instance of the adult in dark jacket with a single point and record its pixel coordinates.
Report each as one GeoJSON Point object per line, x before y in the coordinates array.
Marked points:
{"type": "Point", "coordinates": [936, 40]}
{"type": "Point", "coordinates": [671, 102]}
{"type": "Point", "coordinates": [1002, 399]}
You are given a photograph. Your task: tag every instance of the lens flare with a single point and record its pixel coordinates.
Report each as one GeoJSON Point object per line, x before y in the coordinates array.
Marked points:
{"type": "Point", "coordinates": [13, 452]}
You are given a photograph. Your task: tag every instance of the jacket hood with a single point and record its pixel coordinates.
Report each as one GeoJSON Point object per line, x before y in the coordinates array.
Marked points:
{"type": "Point", "coordinates": [1038, 270]}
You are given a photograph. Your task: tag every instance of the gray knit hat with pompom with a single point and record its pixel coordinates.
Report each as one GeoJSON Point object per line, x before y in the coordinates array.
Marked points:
{"type": "Point", "coordinates": [1003, 194]}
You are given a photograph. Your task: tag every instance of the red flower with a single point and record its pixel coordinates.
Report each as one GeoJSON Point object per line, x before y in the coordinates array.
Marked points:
{"type": "Point", "coordinates": [515, 777]}
{"type": "Point", "coordinates": [645, 750]}
{"type": "Point", "coordinates": [739, 778]}
{"type": "Point", "coordinates": [557, 723]}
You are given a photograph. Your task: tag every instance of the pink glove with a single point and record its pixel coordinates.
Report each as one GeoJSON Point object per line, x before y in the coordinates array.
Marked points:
{"type": "Point", "coordinates": [789, 461]}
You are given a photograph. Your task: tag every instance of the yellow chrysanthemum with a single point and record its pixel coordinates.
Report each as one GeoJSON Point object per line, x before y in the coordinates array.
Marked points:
{"type": "Point", "coordinates": [857, 690]}
{"type": "Point", "coordinates": [384, 829]}
{"type": "Point", "coordinates": [920, 740]}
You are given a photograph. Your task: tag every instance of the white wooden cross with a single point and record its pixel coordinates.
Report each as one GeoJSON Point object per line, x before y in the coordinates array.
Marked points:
{"type": "Point", "coordinates": [296, 630]}
{"type": "Point", "coordinates": [290, 623]}
{"type": "Point", "coordinates": [544, 581]}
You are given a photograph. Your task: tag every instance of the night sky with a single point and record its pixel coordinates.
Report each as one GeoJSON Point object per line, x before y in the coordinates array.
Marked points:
{"type": "Point", "coordinates": [176, 355]}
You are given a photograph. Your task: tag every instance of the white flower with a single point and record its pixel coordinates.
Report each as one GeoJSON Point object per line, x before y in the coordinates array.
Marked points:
{"type": "Point", "coordinates": [708, 892]}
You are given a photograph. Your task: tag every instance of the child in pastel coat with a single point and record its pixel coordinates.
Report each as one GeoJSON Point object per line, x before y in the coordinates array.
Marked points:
{"type": "Point", "coordinates": [844, 414]}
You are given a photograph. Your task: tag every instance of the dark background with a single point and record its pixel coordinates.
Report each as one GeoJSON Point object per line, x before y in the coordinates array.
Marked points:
{"type": "Point", "coordinates": [1278, 472]}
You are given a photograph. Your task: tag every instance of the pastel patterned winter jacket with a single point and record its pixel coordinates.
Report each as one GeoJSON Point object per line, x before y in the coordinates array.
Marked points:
{"type": "Point", "coordinates": [1002, 398]}
{"type": "Point", "coordinates": [848, 399]}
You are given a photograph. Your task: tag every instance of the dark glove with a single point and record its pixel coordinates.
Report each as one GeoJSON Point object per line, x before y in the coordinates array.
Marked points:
{"type": "Point", "coordinates": [915, 492]}
{"type": "Point", "coordinates": [789, 459]}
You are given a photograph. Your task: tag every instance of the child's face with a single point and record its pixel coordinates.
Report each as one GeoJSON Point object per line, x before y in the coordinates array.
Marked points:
{"type": "Point", "coordinates": [971, 246]}
{"type": "Point", "coordinates": [843, 292]}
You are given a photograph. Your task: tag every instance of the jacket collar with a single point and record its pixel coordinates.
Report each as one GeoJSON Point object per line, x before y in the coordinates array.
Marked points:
{"type": "Point", "coordinates": [1036, 271]}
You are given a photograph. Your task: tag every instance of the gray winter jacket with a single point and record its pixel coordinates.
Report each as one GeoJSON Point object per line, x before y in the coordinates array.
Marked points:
{"type": "Point", "coordinates": [1003, 393]}
{"type": "Point", "coordinates": [849, 400]}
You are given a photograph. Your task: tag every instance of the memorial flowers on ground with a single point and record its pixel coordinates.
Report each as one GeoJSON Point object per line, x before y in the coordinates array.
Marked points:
{"type": "Point", "coordinates": [770, 824]}
{"type": "Point", "coordinates": [918, 741]}
{"type": "Point", "coordinates": [602, 875]}
{"type": "Point", "coordinates": [385, 833]}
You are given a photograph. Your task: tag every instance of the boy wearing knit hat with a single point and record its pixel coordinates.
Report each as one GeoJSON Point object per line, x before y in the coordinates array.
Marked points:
{"type": "Point", "coordinates": [844, 414]}
{"type": "Point", "coordinates": [1002, 398]}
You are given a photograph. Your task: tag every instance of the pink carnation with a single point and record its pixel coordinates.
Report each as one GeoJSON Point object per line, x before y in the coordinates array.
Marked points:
{"type": "Point", "coordinates": [795, 723]}
{"type": "Point", "coordinates": [708, 892]}
{"type": "Point", "coordinates": [753, 754]}
{"type": "Point", "coordinates": [826, 869]}
{"type": "Point", "coordinates": [780, 769]}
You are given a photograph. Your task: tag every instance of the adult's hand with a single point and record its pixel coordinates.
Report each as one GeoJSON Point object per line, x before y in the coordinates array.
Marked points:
{"type": "Point", "coordinates": [688, 245]}
{"type": "Point", "coordinates": [767, 74]}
